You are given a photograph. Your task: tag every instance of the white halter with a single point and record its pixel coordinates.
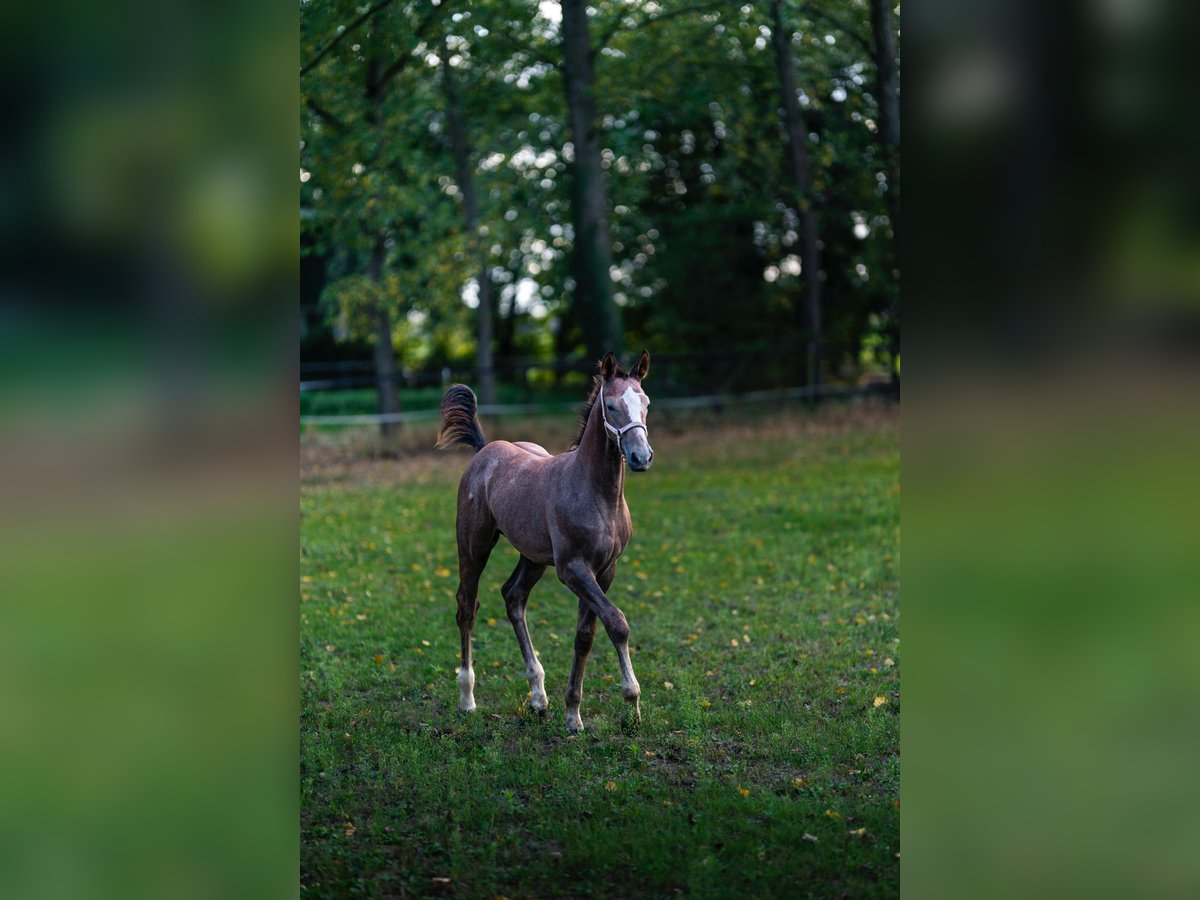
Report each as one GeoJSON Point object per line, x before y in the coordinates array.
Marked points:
{"type": "Point", "coordinates": [617, 432]}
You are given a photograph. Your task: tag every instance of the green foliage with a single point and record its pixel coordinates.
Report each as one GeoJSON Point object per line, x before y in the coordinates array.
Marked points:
{"type": "Point", "coordinates": [762, 591]}
{"type": "Point", "coordinates": [704, 248]}
{"type": "Point", "coordinates": [349, 302]}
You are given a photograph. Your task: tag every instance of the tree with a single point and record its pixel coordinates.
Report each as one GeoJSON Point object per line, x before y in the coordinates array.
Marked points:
{"type": "Point", "coordinates": [465, 173]}
{"type": "Point", "coordinates": [643, 198]}
{"type": "Point", "coordinates": [887, 81]}
{"type": "Point", "coordinates": [385, 354]}
{"type": "Point", "coordinates": [887, 78]}
{"type": "Point", "coordinates": [592, 256]}
{"type": "Point", "coordinates": [368, 191]}
{"type": "Point", "coordinates": [802, 197]}
{"type": "Point", "coordinates": [887, 73]}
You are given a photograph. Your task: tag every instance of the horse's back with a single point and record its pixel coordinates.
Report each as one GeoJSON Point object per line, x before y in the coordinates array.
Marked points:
{"type": "Point", "coordinates": [500, 458]}
{"type": "Point", "coordinates": [536, 449]}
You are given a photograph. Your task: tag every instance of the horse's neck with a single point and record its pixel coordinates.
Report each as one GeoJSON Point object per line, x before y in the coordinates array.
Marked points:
{"type": "Point", "coordinates": [599, 460]}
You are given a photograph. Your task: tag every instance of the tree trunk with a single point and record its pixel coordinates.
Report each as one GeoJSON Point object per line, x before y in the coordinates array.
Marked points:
{"type": "Point", "coordinates": [591, 259]}
{"type": "Point", "coordinates": [506, 331]}
{"type": "Point", "coordinates": [802, 194]}
{"type": "Point", "coordinates": [562, 344]}
{"type": "Point", "coordinates": [461, 148]}
{"type": "Point", "coordinates": [385, 353]}
{"type": "Point", "coordinates": [505, 325]}
{"type": "Point", "coordinates": [887, 86]}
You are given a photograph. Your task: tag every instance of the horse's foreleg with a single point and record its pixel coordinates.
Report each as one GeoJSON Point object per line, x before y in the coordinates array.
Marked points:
{"type": "Point", "coordinates": [516, 595]}
{"type": "Point", "coordinates": [577, 576]}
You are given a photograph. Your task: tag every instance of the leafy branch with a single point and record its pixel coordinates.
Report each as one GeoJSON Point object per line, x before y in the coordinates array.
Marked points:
{"type": "Point", "coordinates": [616, 26]}
{"type": "Point", "coordinates": [337, 39]}
{"type": "Point", "coordinates": [841, 26]}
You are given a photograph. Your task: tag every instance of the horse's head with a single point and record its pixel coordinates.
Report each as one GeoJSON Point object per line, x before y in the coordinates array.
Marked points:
{"type": "Point", "coordinates": [623, 405]}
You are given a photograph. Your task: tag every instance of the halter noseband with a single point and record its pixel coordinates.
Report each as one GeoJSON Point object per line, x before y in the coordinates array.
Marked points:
{"type": "Point", "coordinates": [617, 432]}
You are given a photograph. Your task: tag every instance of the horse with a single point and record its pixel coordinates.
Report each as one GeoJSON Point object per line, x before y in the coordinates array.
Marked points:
{"type": "Point", "coordinates": [567, 511]}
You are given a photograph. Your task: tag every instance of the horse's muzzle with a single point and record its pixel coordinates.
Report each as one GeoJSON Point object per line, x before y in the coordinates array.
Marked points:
{"type": "Point", "coordinates": [640, 462]}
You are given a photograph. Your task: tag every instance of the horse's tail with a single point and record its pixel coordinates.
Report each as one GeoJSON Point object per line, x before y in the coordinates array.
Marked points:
{"type": "Point", "coordinates": [460, 419]}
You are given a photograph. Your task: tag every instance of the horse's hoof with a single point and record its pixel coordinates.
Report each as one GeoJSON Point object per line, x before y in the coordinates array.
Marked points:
{"type": "Point", "coordinates": [632, 720]}
{"type": "Point", "coordinates": [467, 708]}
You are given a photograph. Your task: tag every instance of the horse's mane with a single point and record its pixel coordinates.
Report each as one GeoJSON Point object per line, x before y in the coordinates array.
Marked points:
{"type": "Point", "coordinates": [585, 411]}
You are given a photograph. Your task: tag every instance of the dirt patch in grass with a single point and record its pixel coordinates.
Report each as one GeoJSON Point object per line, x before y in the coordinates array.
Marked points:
{"type": "Point", "coordinates": [362, 457]}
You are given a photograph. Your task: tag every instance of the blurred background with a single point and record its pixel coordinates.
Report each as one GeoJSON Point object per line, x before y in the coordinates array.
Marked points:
{"type": "Point", "coordinates": [1051, 433]}
{"type": "Point", "coordinates": [147, 449]}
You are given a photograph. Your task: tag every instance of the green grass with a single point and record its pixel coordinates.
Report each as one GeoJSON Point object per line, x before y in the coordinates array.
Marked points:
{"type": "Point", "coordinates": [365, 401]}
{"type": "Point", "coordinates": [761, 587]}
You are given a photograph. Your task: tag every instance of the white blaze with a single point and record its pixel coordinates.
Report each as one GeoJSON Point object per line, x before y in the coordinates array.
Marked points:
{"type": "Point", "coordinates": [633, 404]}
{"type": "Point", "coordinates": [635, 439]}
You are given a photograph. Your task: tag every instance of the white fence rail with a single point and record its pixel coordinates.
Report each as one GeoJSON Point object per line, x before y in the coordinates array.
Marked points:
{"type": "Point", "coordinates": [526, 409]}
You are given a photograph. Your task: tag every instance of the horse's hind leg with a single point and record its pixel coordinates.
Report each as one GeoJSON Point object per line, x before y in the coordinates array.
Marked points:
{"type": "Point", "coordinates": [475, 543]}
{"type": "Point", "coordinates": [585, 634]}
{"type": "Point", "coordinates": [516, 595]}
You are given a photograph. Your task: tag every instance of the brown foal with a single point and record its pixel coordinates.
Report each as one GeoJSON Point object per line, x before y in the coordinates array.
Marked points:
{"type": "Point", "coordinates": [566, 511]}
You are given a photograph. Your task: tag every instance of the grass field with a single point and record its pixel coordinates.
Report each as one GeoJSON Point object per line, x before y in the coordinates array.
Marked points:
{"type": "Point", "coordinates": [365, 401]}
{"type": "Point", "coordinates": [762, 592]}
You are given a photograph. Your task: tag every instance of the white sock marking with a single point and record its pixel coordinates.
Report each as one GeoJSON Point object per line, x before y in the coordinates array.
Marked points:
{"type": "Point", "coordinates": [466, 689]}
{"type": "Point", "coordinates": [630, 689]}
{"type": "Point", "coordinates": [537, 687]}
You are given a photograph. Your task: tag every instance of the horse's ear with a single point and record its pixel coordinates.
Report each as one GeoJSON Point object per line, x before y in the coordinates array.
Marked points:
{"type": "Point", "coordinates": [643, 366]}
{"type": "Point", "coordinates": [608, 366]}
